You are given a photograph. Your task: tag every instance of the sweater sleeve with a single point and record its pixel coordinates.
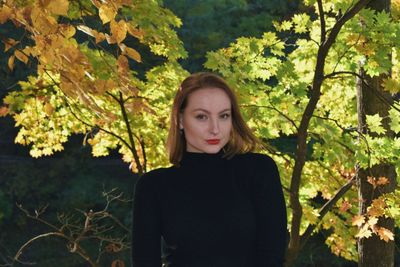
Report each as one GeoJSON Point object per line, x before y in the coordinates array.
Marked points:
{"type": "Point", "coordinates": [146, 233]}
{"type": "Point", "coordinates": [270, 211]}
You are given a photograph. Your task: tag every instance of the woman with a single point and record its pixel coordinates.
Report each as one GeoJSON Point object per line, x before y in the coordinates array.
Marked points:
{"type": "Point", "coordinates": [219, 204]}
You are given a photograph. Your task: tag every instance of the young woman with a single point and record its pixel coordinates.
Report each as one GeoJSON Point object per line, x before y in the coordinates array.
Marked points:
{"type": "Point", "coordinates": [219, 204]}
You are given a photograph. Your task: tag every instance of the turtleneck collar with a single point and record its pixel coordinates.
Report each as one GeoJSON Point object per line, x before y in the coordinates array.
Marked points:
{"type": "Point", "coordinates": [202, 159]}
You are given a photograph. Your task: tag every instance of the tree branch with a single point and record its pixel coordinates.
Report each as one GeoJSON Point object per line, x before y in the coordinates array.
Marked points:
{"type": "Point", "coordinates": [325, 208]}
{"type": "Point", "coordinates": [374, 90]}
{"type": "Point", "coordinates": [322, 20]}
{"type": "Point", "coordinates": [130, 134]}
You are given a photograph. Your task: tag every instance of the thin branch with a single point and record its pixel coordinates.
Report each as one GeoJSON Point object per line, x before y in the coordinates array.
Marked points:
{"type": "Point", "coordinates": [37, 218]}
{"type": "Point", "coordinates": [376, 92]}
{"type": "Point", "coordinates": [325, 208]}
{"type": "Point", "coordinates": [16, 257]}
{"type": "Point", "coordinates": [322, 20]}
{"type": "Point", "coordinates": [130, 134]}
{"type": "Point", "coordinates": [278, 111]}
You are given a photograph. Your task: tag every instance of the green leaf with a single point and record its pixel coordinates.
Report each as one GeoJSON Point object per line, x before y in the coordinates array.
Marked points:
{"type": "Point", "coordinates": [374, 123]}
{"type": "Point", "coordinates": [394, 120]}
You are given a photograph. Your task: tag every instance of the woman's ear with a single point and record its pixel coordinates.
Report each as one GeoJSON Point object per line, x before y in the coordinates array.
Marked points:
{"type": "Point", "coordinates": [180, 122]}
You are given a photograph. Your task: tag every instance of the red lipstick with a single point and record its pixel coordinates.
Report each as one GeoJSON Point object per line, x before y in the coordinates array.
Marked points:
{"type": "Point", "coordinates": [213, 141]}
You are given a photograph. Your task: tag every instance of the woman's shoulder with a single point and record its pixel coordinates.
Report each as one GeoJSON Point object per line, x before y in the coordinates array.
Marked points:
{"type": "Point", "coordinates": [253, 159]}
{"type": "Point", "coordinates": [154, 177]}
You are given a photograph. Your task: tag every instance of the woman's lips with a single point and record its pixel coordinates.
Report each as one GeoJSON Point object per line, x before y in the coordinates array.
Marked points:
{"type": "Point", "coordinates": [213, 141]}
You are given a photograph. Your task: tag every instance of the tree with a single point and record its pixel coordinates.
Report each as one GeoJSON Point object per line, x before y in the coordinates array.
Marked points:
{"type": "Point", "coordinates": [308, 94]}
{"type": "Point", "coordinates": [380, 179]}
{"type": "Point", "coordinates": [299, 86]}
{"type": "Point", "coordinates": [84, 84]}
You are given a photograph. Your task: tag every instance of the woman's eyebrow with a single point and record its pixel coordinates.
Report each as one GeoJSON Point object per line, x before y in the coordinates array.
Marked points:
{"type": "Point", "coordinates": [208, 112]}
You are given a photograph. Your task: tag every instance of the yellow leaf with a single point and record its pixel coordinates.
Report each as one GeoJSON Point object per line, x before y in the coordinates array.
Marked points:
{"type": "Point", "coordinates": [372, 181]}
{"type": "Point", "coordinates": [21, 56]}
{"type": "Point", "coordinates": [58, 7]}
{"type": "Point", "coordinates": [391, 85]}
{"type": "Point", "coordinates": [49, 109]}
{"type": "Point", "coordinates": [43, 23]}
{"type": "Point", "coordinates": [8, 43]}
{"type": "Point", "coordinates": [130, 52]}
{"type": "Point", "coordinates": [377, 208]}
{"type": "Point", "coordinates": [11, 62]}
{"type": "Point", "coordinates": [110, 39]}
{"type": "Point", "coordinates": [122, 64]}
{"type": "Point", "coordinates": [27, 50]}
{"type": "Point", "coordinates": [5, 13]}
{"type": "Point", "coordinates": [99, 37]}
{"type": "Point", "coordinates": [358, 220]}
{"type": "Point", "coordinates": [385, 234]}
{"type": "Point", "coordinates": [364, 232]}
{"type": "Point", "coordinates": [67, 30]}
{"type": "Point", "coordinates": [35, 153]}
{"type": "Point", "coordinates": [135, 32]}
{"type": "Point", "coordinates": [372, 221]}
{"type": "Point", "coordinates": [124, 2]}
{"type": "Point", "coordinates": [103, 85]}
{"type": "Point", "coordinates": [86, 29]}
{"type": "Point", "coordinates": [118, 30]}
{"type": "Point", "coordinates": [106, 13]}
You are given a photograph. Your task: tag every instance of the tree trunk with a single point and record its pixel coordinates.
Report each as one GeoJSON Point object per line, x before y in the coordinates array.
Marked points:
{"type": "Point", "coordinates": [372, 251]}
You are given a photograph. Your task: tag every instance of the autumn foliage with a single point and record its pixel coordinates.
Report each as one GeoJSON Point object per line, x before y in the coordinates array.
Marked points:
{"type": "Point", "coordinates": [297, 82]}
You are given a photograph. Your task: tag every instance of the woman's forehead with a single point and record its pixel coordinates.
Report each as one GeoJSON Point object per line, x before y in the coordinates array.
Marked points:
{"type": "Point", "coordinates": [209, 99]}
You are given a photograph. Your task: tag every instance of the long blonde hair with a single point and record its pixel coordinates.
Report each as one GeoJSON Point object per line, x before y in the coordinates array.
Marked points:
{"type": "Point", "coordinates": [242, 139]}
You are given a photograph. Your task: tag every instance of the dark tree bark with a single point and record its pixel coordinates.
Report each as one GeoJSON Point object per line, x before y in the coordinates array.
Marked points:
{"type": "Point", "coordinates": [372, 251]}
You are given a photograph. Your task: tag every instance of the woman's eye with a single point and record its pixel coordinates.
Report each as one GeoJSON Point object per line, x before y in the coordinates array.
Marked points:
{"type": "Point", "coordinates": [225, 116]}
{"type": "Point", "coordinates": [201, 117]}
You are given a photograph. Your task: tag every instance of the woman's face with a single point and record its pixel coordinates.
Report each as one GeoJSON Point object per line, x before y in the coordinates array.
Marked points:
{"type": "Point", "coordinates": [206, 121]}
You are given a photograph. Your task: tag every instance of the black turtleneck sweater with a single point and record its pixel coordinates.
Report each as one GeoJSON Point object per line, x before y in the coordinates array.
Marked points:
{"type": "Point", "coordinates": [210, 212]}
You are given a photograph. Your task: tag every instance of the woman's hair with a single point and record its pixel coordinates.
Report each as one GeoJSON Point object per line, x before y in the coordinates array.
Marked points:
{"type": "Point", "coordinates": [242, 139]}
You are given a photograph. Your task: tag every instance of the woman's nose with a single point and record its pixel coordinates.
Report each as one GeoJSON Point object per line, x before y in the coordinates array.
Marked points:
{"type": "Point", "coordinates": [214, 126]}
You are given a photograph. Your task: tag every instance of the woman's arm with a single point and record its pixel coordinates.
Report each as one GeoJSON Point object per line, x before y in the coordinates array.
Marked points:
{"type": "Point", "coordinates": [146, 231]}
{"type": "Point", "coordinates": [271, 217]}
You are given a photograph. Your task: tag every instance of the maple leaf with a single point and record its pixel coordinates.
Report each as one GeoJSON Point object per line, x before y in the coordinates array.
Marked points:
{"type": "Point", "coordinates": [358, 220]}
{"type": "Point", "coordinates": [374, 123]}
{"type": "Point", "coordinates": [372, 221]}
{"type": "Point", "coordinates": [372, 181]}
{"type": "Point", "coordinates": [364, 232]}
{"type": "Point", "coordinates": [377, 208]}
{"type": "Point", "coordinates": [394, 120]}
{"type": "Point", "coordinates": [385, 234]}
{"type": "Point", "coordinates": [382, 181]}
{"type": "Point", "coordinates": [391, 85]}
{"type": "Point", "coordinates": [345, 206]}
